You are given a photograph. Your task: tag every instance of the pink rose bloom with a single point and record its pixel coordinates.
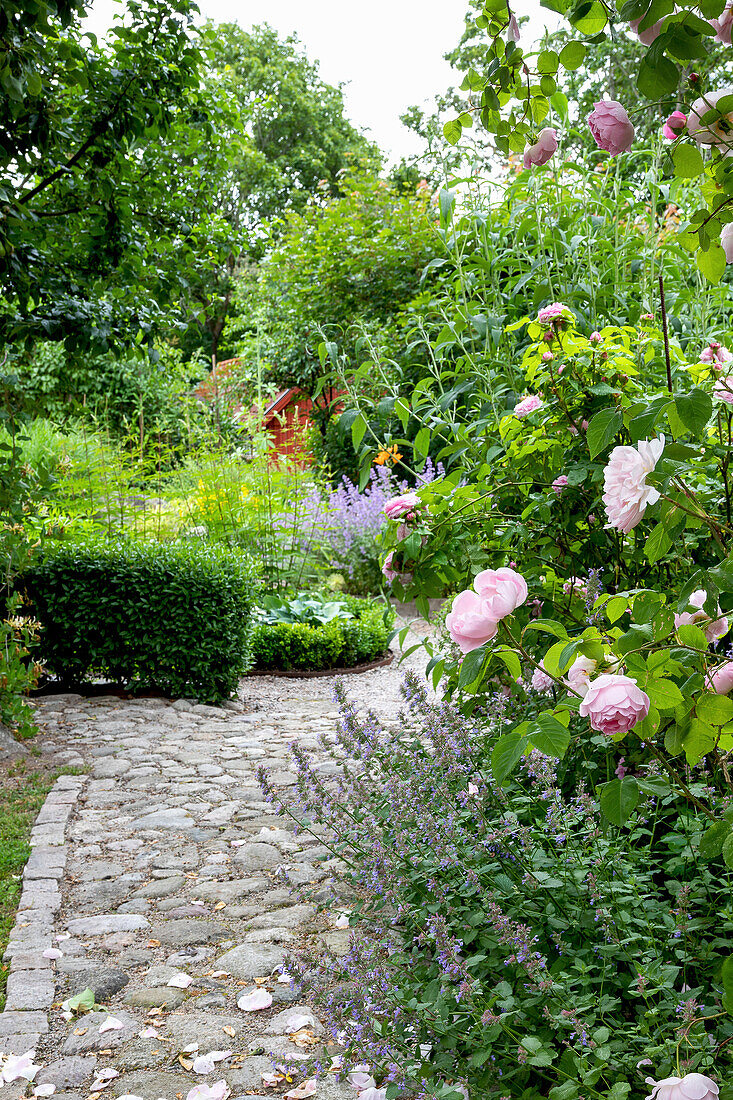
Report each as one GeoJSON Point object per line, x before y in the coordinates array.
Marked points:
{"type": "Point", "coordinates": [718, 130]}
{"type": "Point", "coordinates": [715, 353]}
{"type": "Point", "coordinates": [650, 34]}
{"type": "Point", "coordinates": [626, 493]}
{"type": "Point", "coordinates": [723, 390]}
{"type": "Point", "coordinates": [401, 506]}
{"type": "Point", "coordinates": [614, 704]}
{"type": "Point", "coordinates": [674, 125]}
{"type": "Point", "coordinates": [722, 679]}
{"type": "Point", "coordinates": [469, 622]}
{"type": "Point", "coordinates": [611, 127]}
{"type": "Point", "coordinates": [579, 674]}
{"type": "Point", "coordinates": [559, 484]}
{"type": "Point", "coordinates": [540, 680]}
{"type": "Point", "coordinates": [556, 311]}
{"type": "Point", "coordinates": [595, 338]}
{"type": "Point", "coordinates": [503, 590]}
{"type": "Point", "coordinates": [574, 584]}
{"type": "Point", "coordinates": [693, 1086]}
{"type": "Point", "coordinates": [713, 628]}
{"type": "Point", "coordinates": [726, 241]}
{"type": "Point", "coordinates": [724, 24]}
{"type": "Point", "coordinates": [528, 405]}
{"type": "Point", "coordinates": [542, 150]}
{"type": "Point", "coordinates": [392, 574]}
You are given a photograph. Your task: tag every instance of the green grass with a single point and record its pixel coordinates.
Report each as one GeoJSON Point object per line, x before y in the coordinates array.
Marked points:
{"type": "Point", "coordinates": [21, 797]}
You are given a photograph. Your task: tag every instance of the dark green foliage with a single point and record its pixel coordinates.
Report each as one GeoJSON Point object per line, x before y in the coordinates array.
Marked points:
{"type": "Point", "coordinates": [339, 643]}
{"type": "Point", "coordinates": [172, 616]}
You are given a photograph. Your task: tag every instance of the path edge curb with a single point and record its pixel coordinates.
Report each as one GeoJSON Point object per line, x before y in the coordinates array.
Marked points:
{"type": "Point", "coordinates": [31, 985]}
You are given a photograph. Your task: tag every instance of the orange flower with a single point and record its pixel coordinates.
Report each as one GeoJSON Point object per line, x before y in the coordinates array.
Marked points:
{"type": "Point", "coordinates": [391, 455]}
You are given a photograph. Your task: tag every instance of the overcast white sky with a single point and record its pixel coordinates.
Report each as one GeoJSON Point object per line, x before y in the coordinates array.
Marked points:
{"type": "Point", "coordinates": [388, 53]}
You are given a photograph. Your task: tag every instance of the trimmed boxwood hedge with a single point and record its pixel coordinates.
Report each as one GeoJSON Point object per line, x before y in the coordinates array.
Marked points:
{"type": "Point", "coordinates": [172, 616]}
{"type": "Point", "coordinates": [339, 643]}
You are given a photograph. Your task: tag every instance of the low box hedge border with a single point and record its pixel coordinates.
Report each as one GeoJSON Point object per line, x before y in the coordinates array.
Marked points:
{"type": "Point", "coordinates": [340, 643]}
{"type": "Point", "coordinates": [175, 617]}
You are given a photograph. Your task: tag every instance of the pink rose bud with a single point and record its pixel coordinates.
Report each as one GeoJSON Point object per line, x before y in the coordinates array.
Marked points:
{"type": "Point", "coordinates": [469, 621]}
{"type": "Point", "coordinates": [595, 338]}
{"type": "Point", "coordinates": [722, 679]}
{"type": "Point", "coordinates": [693, 1086]}
{"type": "Point", "coordinates": [649, 35]}
{"type": "Point", "coordinates": [401, 506]}
{"type": "Point", "coordinates": [620, 769]}
{"type": "Point", "coordinates": [614, 704]}
{"type": "Point", "coordinates": [611, 127]}
{"type": "Point", "coordinates": [549, 337]}
{"type": "Point", "coordinates": [503, 590]}
{"type": "Point", "coordinates": [584, 425]}
{"type": "Point", "coordinates": [542, 150]}
{"type": "Point", "coordinates": [512, 31]}
{"type": "Point", "coordinates": [559, 483]}
{"type": "Point", "coordinates": [647, 317]}
{"type": "Point", "coordinates": [674, 125]}
{"type": "Point", "coordinates": [726, 242]}
{"type": "Point", "coordinates": [392, 574]}
{"type": "Point", "coordinates": [547, 356]}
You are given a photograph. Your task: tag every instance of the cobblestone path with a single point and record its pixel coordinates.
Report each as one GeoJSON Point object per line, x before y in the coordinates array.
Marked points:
{"type": "Point", "coordinates": [163, 864]}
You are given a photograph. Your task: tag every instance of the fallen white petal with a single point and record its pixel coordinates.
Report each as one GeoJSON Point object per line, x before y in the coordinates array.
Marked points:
{"type": "Point", "coordinates": [52, 953]}
{"type": "Point", "coordinates": [19, 1066]}
{"type": "Point", "coordinates": [299, 1020]}
{"type": "Point", "coordinates": [147, 1033]}
{"type": "Point", "coordinates": [219, 1091]}
{"type": "Point", "coordinates": [44, 1090]}
{"type": "Point", "coordinates": [203, 1064]}
{"type": "Point", "coordinates": [254, 1001]}
{"type": "Point", "coordinates": [111, 1024]}
{"type": "Point", "coordinates": [219, 1055]}
{"type": "Point", "coordinates": [360, 1079]}
{"type": "Point", "coordinates": [130, 1096]}
{"type": "Point", "coordinates": [190, 1049]}
{"type": "Point", "coordinates": [220, 974]}
{"type": "Point", "coordinates": [237, 843]}
{"type": "Point", "coordinates": [306, 1089]}
{"type": "Point", "coordinates": [270, 1080]}
{"type": "Point", "coordinates": [180, 981]}
{"type": "Point", "coordinates": [341, 921]}
{"type": "Point", "coordinates": [61, 936]}
{"type": "Point", "coordinates": [285, 978]}
{"type": "Point", "coordinates": [373, 1094]}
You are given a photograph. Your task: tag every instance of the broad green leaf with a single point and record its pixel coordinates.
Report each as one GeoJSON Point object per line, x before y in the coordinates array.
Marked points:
{"type": "Point", "coordinates": [658, 544]}
{"type": "Point", "coordinates": [712, 263]}
{"type": "Point", "coordinates": [692, 636]}
{"type": "Point", "coordinates": [713, 839]}
{"type": "Point", "coordinates": [510, 659]}
{"type": "Point", "coordinates": [358, 428]}
{"type": "Point", "coordinates": [471, 666]}
{"type": "Point", "coordinates": [572, 55]}
{"type": "Point", "coordinates": [664, 694]}
{"type": "Point", "coordinates": [602, 429]}
{"type": "Point", "coordinates": [687, 161]}
{"type": "Point", "coordinates": [589, 17]}
{"type": "Point", "coordinates": [549, 736]}
{"type": "Point", "coordinates": [694, 409]}
{"type": "Point", "coordinates": [618, 799]}
{"type": "Point", "coordinates": [452, 131]}
{"type": "Point", "coordinates": [505, 755]}
{"type": "Point", "coordinates": [728, 851]}
{"type": "Point", "coordinates": [701, 740]}
{"type": "Point", "coordinates": [616, 607]}
{"type": "Point", "coordinates": [547, 626]}
{"type": "Point", "coordinates": [716, 710]}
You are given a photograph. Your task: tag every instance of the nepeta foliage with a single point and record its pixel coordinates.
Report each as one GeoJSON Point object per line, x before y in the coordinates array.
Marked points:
{"type": "Point", "coordinates": [506, 939]}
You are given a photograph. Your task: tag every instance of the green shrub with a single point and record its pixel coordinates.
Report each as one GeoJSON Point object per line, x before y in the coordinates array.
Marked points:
{"type": "Point", "coordinates": [172, 616]}
{"type": "Point", "coordinates": [338, 643]}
